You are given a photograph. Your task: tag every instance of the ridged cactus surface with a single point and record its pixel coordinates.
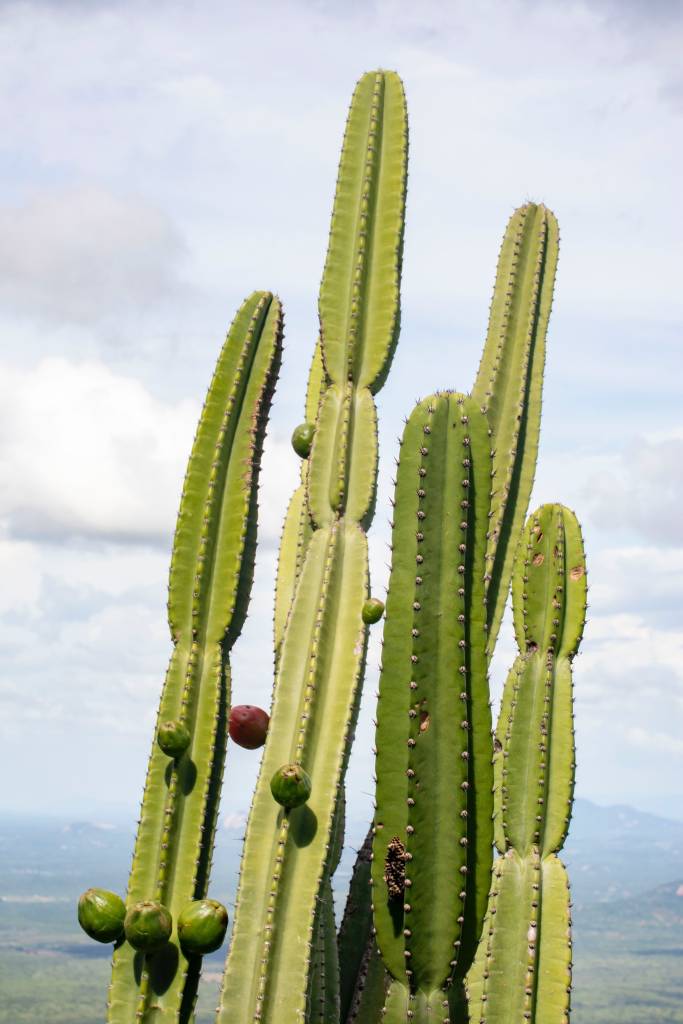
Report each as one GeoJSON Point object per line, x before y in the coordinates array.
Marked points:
{"type": "Point", "coordinates": [434, 803]}
{"type": "Point", "coordinates": [320, 636]}
{"type": "Point", "coordinates": [523, 965]}
{"type": "Point", "coordinates": [509, 386]}
{"type": "Point", "coordinates": [210, 580]}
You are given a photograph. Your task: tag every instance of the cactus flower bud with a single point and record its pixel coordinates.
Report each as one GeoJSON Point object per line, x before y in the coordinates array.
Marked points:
{"type": "Point", "coordinates": [373, 610]}
{"type": "Point", "coordinates": [101, 914]}
{"type": "Point", "coordinates": [202, 926]}
{"type": "Point", "coordinates": [248, 726]}
{"type": "Point", "coordinates": [173, 737]}
{"type": "Point", "coordinates": [290, 786]}
{"type": "Point", "coordinates": [302, 439]}
{"type": "Point", "coordinates": [148, 926]}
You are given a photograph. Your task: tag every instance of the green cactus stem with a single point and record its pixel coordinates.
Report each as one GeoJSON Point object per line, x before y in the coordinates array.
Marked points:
{"type": "Point", "coordinates": [509, 386]}
{"type": "Point", "coordinates": [101, 914]}
{"type": "Point", "coordinates": [523, 965]}
{"type": "Point", "coordinates": [323, 584]}
{"type": "Point", "coordinates": [210, 580]}
{"type": "Point", "coordinates": [433, 829]}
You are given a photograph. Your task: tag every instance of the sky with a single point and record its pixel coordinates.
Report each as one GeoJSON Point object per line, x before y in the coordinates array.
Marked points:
{"type": "Point", "coordinates": [158, 162]}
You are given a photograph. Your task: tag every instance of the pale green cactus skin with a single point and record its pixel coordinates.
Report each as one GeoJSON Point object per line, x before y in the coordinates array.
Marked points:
{"type": "Point", "coordinates": [210, 581]}
{"type": "Point", "coordinates": [434, 745]}
{"type": "Point", "coordinates": [509, 386]}
{"type": "Point", "coordinates": [323, 580]}
{"type": "Point", "coordinates": [523, 965]}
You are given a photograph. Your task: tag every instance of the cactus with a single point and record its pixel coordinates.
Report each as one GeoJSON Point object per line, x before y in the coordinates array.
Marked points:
{"type": "Point", "coordinates": [320, 638]}
{"type": "Point", "coordinates": [434, 804]}
{"type": "Point", "coordinates": [210, 580]}
{"type": "Point", "coordinates": [523, 966]}
{"type": "Point", "coordinates": [509, 385]}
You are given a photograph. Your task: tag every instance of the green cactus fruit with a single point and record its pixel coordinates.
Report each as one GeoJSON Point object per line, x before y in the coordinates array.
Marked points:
{"type": "Point", "coordinates": [202, 926]}
{"type": "Point", "coordinates": [248, 726]}
{"type": "Point", "coordinates": [302, 439]}
{"type": "Point", "coordinates": [101, 914]}
{"type": "Point", "coordinates": [373, 610]}
{"type": "Point", "coordinates": [173, 737]}
{"type": "Point", "coordinates": [290, 786]}
{"type": "Point", "coordinates": [148, 926]}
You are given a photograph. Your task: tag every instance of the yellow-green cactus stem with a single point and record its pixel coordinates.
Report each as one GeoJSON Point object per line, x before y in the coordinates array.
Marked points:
{"type": "Point", "coordinates": [323, 577]}
{"type": "Point", "coordinates": [202, 925]}
{"type": "Point", "coordinates": [433, 828]}
{"type": "Point", "coordinates": [210, 581]}
{"type": "Point", "coordinates": [509, 386]}
{"type": "Point", "coordinates": [523, 965]}
{"type": "Point", "coordinates": [101, 914]}
{"type": "Point", "coordinates": [148, 926]}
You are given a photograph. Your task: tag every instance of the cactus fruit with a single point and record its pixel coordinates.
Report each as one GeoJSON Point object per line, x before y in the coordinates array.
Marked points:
{"type": "Point", "coordinates": [202, 926]}
{"type": "Point", "coordinates": [323, 576]}
{"type": "Point", "coordinates": [148, 926]}
{"type": "Point", "coordinates": [373, 610]}
{"type": "Point", "coordinates": [523, 965]}
{"type": "Point", "coordinates": [290, 786]}
{"type": "Point", "coordinates": [101, 914]}
{"type": "Point", "coordinates": [248, 726]}
{"type": "Point", "coordinates": [209, 585]}
{"type": "Point", "coordinates": [174, 738]}
{"type": "Point", "coordinates": [509, 385]}
{"type": "Point", "coordinates": [302, 439]}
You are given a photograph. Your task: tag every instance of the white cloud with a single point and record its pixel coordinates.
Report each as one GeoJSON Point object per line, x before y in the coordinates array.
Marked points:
{"type": "Point", "coordinates": [655, 741]}
{"type": "Point", "coordinates": [83, 253]}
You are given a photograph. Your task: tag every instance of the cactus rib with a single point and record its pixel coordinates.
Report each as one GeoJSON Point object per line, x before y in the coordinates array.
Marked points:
{"type": "Point", "coordinates": [211, 571]}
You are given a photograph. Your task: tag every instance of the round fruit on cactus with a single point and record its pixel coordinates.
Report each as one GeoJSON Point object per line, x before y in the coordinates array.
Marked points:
{"type": "Point", "coordinates": [373, 610]}
{"type": "Point", "coordinates": [101, 914]}
{"type": "Point", "coordinates": [173, 737]}
{"type": "Point", "coordinates": [202, 926]}
{"type": "Point", "coordinates": [290, 786]}
{"type": "Point", "coordinates": [248, 726]}
{"type": "Point", "coordinates": [148, 926]}
{"type": "Point", "coordinates": [302, 439]}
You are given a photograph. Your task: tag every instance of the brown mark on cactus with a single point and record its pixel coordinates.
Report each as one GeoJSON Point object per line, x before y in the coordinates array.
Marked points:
{"type": "Point", "coordinates": [577, 572]}
{"type": "Point", "coordinates": [395, 868]}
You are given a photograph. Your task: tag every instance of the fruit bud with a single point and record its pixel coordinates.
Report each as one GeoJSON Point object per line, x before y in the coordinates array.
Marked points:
{"type": "Point", "coordinates": [148, 926]}
{"type": "Point", "coordinates": [101, 914]}
{"type": "Point", "coordinates": [290, 786]}
{"type": "Point", "coordinates": [373, 610]}
{"type": "Point", "coordinates": [202, 926]}
{"type": "Point", "coordinates": [173, 737]}
{"type": "Point", "coordinates": [302, 439]}
{"type": "Point", "coordinates": [248, 726]}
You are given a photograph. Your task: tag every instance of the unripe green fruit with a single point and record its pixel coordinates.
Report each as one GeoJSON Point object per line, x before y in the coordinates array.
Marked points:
{"type": "Point", "coordinates": [290, 785]}
{"type": "Point", "coordinates": [173, 737]}
{"type": "Point", "coordinates": [202, 926]}
{"type": "Point", "coordinates": [148, 926]}
{"type": "Point", "coordinates": [302, 439]}
{"type": "Point", "coordinates": [101, 914]}
{"type": "Point", "coordinates": [373, 610]}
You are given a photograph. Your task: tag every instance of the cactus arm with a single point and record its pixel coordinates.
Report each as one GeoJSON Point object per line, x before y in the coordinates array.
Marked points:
{"type": "Point", "coordinates": [359, 295]}
{"type": "Point", "coordinates": [371, 989]}
{"type": "Point", "coordinates": [433, 721]}
{"type": "Point", "coordinates": [207, 600]}
{"type": "Point", "coordinates": [509, 384]}
{"type": "Point", "coordinates": [355, 931]}
{"type": "Point", "coordinates": [293, 543]}
{"type": "Point", "coordinates": [323, 997]}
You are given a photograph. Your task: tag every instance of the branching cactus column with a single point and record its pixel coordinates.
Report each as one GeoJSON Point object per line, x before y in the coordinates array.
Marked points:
{"type": "Point", "coordinates": [523, 965]}
{"type": "Point", "coordinates": [210, 581]}
{"type": "Point", "coordinates": [320, 636]}
{"type": "Point", "coordinates": [434, 805]}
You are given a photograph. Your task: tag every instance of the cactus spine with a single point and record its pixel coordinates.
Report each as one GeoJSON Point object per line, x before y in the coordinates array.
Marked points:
{"type": "Point", "coordinates": [320, 637]}
{"type": "Point", "coordinates": [509, 385]}
{"type": "Point", "coordinates": [210, 580]}
{"type": "Point", "coordinates": [523, 966]}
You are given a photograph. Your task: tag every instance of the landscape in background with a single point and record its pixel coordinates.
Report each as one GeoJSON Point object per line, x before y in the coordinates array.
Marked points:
{"type": "Point", "coordinates": [627, 884]}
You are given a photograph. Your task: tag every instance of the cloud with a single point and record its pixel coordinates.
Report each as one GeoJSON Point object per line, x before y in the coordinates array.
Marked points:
{"type": "Point", "coordinates": [657, 741]}
{"type": "Point", "coordinates": [83, 253]}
